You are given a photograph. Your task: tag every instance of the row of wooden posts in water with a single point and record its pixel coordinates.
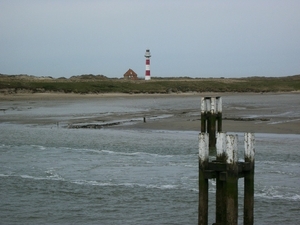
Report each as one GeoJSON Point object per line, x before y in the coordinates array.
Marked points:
{"type": "Point", "coordinates": [224, 167]}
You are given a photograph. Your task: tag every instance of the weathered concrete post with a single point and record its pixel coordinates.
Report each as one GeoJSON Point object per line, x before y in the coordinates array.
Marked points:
{"type": "Point", "coordinates": [231, 180]}
{"type": "Point", "coordinates": [249, 179]}
{"type": "Point", "coordinates": [226, 170]}
{"type": "Point", "coordinates": [211, 121]}
{"type": "Point", "coordinates": [219, 113]}
{"type": "Point", "coordinates": [211, 117]}
{"type": "Point", "coordinates": [203, 115]}
{"type": "Point", "coordinates": [220, 183]}
{"type": "Point", "coordinates": [203, 181]}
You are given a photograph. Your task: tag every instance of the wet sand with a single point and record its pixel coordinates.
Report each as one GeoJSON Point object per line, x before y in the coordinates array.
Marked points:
{"type": "Point", "coordinates": [242, 112]}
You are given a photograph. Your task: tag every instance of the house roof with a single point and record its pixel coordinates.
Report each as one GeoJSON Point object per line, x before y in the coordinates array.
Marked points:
{"type": "Point", "coordinates": [130, 74]}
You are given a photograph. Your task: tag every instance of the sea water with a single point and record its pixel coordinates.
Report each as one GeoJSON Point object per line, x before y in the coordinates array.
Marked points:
{"type": "Point", "coordinates": [55, 175]}
{"type": "Point", "coordinates": [109, 176]}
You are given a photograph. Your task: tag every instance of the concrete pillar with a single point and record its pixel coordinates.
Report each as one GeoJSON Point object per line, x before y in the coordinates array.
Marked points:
{"type": "Point", "coordinates": [203, 182]}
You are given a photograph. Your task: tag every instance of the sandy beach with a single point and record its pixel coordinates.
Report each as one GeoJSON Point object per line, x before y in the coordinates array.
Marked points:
{"type": "Point", "coordinates": [242, 112]}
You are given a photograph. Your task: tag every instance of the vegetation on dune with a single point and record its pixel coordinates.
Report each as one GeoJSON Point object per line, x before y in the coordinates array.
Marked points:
{"type": "Point", "coordinates": [100, 84]}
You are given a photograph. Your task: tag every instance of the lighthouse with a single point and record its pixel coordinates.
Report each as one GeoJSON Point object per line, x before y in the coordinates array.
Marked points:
{"type": "Point", "coordinates": [147, 72]}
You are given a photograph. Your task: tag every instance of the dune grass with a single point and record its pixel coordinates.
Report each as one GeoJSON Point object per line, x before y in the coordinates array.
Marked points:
{"type": "Point", "coordinates": [94, 84]}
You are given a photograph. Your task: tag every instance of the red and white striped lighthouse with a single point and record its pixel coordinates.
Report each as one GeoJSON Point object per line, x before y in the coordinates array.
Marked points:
{"type": "Point", "coordinates": [147, 72]}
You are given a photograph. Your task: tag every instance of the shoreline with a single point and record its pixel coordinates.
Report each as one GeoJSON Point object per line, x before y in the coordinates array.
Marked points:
{"type": "Point", "coordinates": [179, 124]}
{"type": "Point", "coordinates": [275, 119]}
{"type": "Point", "coordinates": [62, 95]}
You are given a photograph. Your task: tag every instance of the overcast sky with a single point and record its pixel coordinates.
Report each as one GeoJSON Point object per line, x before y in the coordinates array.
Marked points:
{"type": "Point", "coordinates": [195, 38]}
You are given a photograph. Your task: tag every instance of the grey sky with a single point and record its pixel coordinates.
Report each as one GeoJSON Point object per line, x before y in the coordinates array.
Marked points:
{"type": "Point", "coordinates": [193, 38]}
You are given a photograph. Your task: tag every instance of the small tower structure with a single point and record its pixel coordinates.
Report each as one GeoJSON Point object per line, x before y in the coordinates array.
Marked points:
{"type": "Point", "coordinates": [147, 72]}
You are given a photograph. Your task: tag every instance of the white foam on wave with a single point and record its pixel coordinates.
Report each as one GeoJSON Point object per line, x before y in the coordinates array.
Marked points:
{"type": "Point", "coordinates": [38, 147]}
{"type": "Point", "coordinates": [32, 177]}
{"type": "Point", "coordinates": [282, 163]}
{"type": "Point", "coordinates": [54, 177]}
{"type": "Point", "coordinates": [135, 154]}
{"type": "Point", "coordinates": [4, 175]}
{"type": "Point", "coordinates": [191, 165]}
{"type": "Point", "coordinates": [278, 196]}
{"type": "Point", "coordinates": [273, 193]}
{"type": "Point", "coordinates": [85, 182]}
{"type": "Point", "coordinates": [131, 185]}
{"type": "Point", "coordinates": [282, 172]}
{"type": "Point", "coordinates": [267, 162]}
{"type": "Point", "coordinates": [25, 176]}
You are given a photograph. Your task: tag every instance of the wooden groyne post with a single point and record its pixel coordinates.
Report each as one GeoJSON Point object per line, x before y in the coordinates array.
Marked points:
{"type": "Point", "coordinates": [226, 170]}
{"type": "Point", "coordinates": [211, 118]}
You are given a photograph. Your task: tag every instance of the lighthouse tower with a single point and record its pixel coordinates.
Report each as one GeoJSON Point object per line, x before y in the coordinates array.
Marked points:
{"type": "Point", "coordinates": [147, 72]}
